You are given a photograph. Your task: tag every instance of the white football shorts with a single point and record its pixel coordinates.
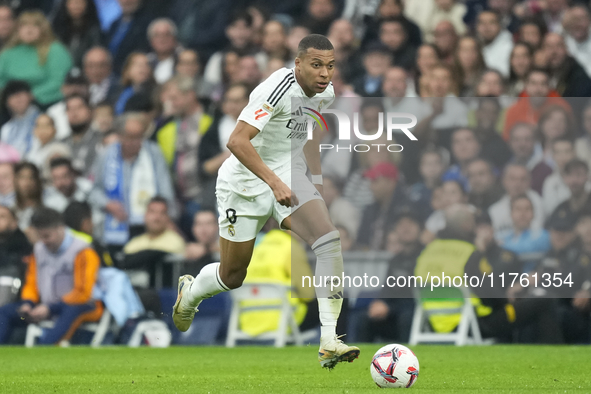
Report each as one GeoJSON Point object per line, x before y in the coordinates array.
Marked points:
{"type": "Point", "coordinates": [241, 217]}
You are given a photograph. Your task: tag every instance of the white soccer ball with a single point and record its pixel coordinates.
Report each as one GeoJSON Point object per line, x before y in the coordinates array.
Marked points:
{"type": "Point", "coordinates": [394, 366]}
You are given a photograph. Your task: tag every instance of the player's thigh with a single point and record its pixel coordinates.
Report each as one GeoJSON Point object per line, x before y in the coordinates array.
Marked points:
{"type": "Point", "coordinates": [240, 220]}
{"type": "Point", "coordinates": [310, 220]}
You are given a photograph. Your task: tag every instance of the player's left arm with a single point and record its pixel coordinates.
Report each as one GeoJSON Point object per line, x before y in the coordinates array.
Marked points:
{"type": "Point", "coordinates": [312, 154]}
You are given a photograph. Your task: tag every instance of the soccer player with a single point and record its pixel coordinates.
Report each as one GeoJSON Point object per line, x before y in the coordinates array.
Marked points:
{"type": "Point", "coordinates": [268, 148]}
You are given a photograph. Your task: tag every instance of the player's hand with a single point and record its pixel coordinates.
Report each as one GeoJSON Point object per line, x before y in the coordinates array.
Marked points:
{"type": "Point", "coordinates": [284, 195]}
{"type": "Point", "coordinates": [116, 209]}
{"type": "Point", "coordinates": [39, 313]}
{"type": "Point", "coordinates": [378, 310]}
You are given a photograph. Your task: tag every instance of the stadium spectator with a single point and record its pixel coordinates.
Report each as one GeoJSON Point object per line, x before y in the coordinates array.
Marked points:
{"type": "Point", "coordinates": [390, 9]}
{"type": "Point", "coordinates": [76, 24]}
{"type": "Point", "coordinates": [162, 34]}
{"type": "Point", "coordinates": [179, 141]}
{"type": "Point", "coordinates": [535, 101]}
{"type": "Point", "coordinates": [516, 182]}
{"type": "Point", "coordinates": [389, 316]}
{"type": "Point", "coordinates": [427, 58]}
{"type": "Point", "coordinates": [274, 41]}
{"type": "Point", "coordinates": [388, 194]}
{"type": "Point", "coordinates": [144, 252]}
{"type": "Point", "coordinates": [529, 244]}
{"type": "Point", "coordinates": [528, 152]}
{"type": "Point", "coordinates": [127, 34]}
{"type": "Point", "coordinates": [507, 15]}
{"type": "Point", "coordinates": [555, 189]}
{"type": "Point", "coordinates": [532, 31]}
{"type": "Point", "coordinates": [60, 278]}
{"type": "Point", "coordinates": [569, 78]}
{"type": "Point", "coordinates": [429, 13]}
{"type": "Point", "coordinates": [201, 24]}
{"type": "Point", "coordinates": [66, 186]}
{"type": "Point", "coordinates": [484, 189]}
{"type": "Point", "coordinates": [346, 46]}
{"type": "Point", "coordinates": [97, 66]}
{"type": "Point", "coordinates": [521, 62]}
{"type": "Point", "coordinates": [567, 257]}
{"type": "Point", "coordinates": [501, 259]}
{"type": "Point", "coordinates": [14, 246]}
{"type": "Point", "coordinates": [7, 193]}
{"type": "Point", "coordinates": [206, 247]}
{"type": "Point", "coordinates": [394, 36]}
{"type": "Point", "coordinates": [490, 84]}
{"type": "Point", "coordinates": [583, 144]}
{"type": "Point", "coordinates": [18, 131]}
{"type": "Point", "coordinates": [493, 148]}
{"type": "Point", "coordinates": [445, 39]}
{"type": "Point", "coordinates": [584, 232]}
{"type": "Point", "coordinates": [212, 150]}
{"type": "Point", "coordinates": [432, 164]}
{"type": "Point", "coordinates": [553, 14]}
{"type": "Point", "coordinates": [103, 118]}
{"type": "Point", "coordinates": [44, 140]}
{"type": "Point", "coordinates": [576, 23]}
{"type": "Point", "coordinates": [136, 77]}
{"type": "Point", "coordinates": [469, 63]}
{"type": "Point", "coordinates": [451, 192]}
{"type": "Point", "coordinates": [555, 122]}
{"type": "Point", "coordinates": [576, 174]}
{"type": "Point", "coordinates": [28, 188]}
{"type": "Point", "coordinates": [189, 65]}
{"type": "Point", "coordinates": [376, 60]}
{"type": "Point", "coordinates": [249, 71]}
{"type": "Point", "coordinates": [497, 41]}
{"type": "Point", "coordinates": [34, 55]}
{"type": "Point", "coordinates": [319, 15]}
{"type": "Point", "coordinates": [6, 24]}
{"type": "Point", "coordinates": [447, 110]}
{"type": "Point", "coordinates": [74, 84]}
{"type": "Point", "coordinates": [465, 147]}
{"type": "Point", "coordinates": [239, 32]}
{"type": "Point", "coordinates": [84, 140]}
{"type": "Point", "coordinates": [455, 253]}
{"type": "Point", "coordinates": [126, 177]}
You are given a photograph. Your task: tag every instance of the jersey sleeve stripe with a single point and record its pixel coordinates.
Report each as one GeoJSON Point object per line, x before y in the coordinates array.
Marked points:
{"type": "Point", "coordinates": [278, 87]}
{"type": "Point", "coordinates": [287, 82]}
{"type": "Point", "coordinates": [282, 93]}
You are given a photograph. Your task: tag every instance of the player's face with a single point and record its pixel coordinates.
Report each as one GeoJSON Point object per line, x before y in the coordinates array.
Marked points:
{"type": "Point", "coordinates": [316, 69]}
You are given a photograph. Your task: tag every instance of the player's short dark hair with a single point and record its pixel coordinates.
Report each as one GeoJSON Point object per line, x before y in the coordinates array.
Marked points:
{"type": "Point", "coordinates": [44, 218]}
{"type": "Point", "coordinates": [61, 161]}
{"type": "Point", "coordinates": [575, 164]}
{"type": "Point", "coordinates": [314, 41]}
{"type": "Point", "coordinates": [76, 213]}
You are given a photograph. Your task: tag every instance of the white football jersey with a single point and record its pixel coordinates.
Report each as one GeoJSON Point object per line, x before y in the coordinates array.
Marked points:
{"type": "Point", "coordinates": [280, 110]}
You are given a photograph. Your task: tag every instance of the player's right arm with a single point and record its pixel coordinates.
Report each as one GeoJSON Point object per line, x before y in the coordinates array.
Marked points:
{"type": "Point", "coordinates": [241, 147]}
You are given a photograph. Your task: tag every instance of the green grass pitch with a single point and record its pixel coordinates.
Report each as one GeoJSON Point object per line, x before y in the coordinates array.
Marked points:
{"type": "Point", "coordinates": [443, 369]}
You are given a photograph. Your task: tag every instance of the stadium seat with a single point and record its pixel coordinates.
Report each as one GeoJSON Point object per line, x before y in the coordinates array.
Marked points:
{"type": "Point", "coordinates": [264, 291]}
{"type": "Point", "coordinates": [99, 329]}
{"type": "Point", "coordinates": [447, 301]}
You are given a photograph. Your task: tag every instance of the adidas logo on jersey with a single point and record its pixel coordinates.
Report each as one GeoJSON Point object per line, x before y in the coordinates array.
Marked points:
{"type": "Point", "coordinates": [298, 112]}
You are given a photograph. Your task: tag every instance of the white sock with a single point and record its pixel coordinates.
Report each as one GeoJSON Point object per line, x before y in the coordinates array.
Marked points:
{"type": "Point", "coordinates": [329, 262]}
{"type": "Point", "coordinates": [207, 284]}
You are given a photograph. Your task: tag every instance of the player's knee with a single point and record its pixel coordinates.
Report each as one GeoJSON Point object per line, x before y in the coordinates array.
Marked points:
{"type": "Point", "coordinates": [233, 279]}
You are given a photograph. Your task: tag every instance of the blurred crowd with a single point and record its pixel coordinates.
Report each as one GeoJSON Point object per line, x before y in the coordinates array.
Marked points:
{"type": "Point", "coordinates": [116, 113]}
